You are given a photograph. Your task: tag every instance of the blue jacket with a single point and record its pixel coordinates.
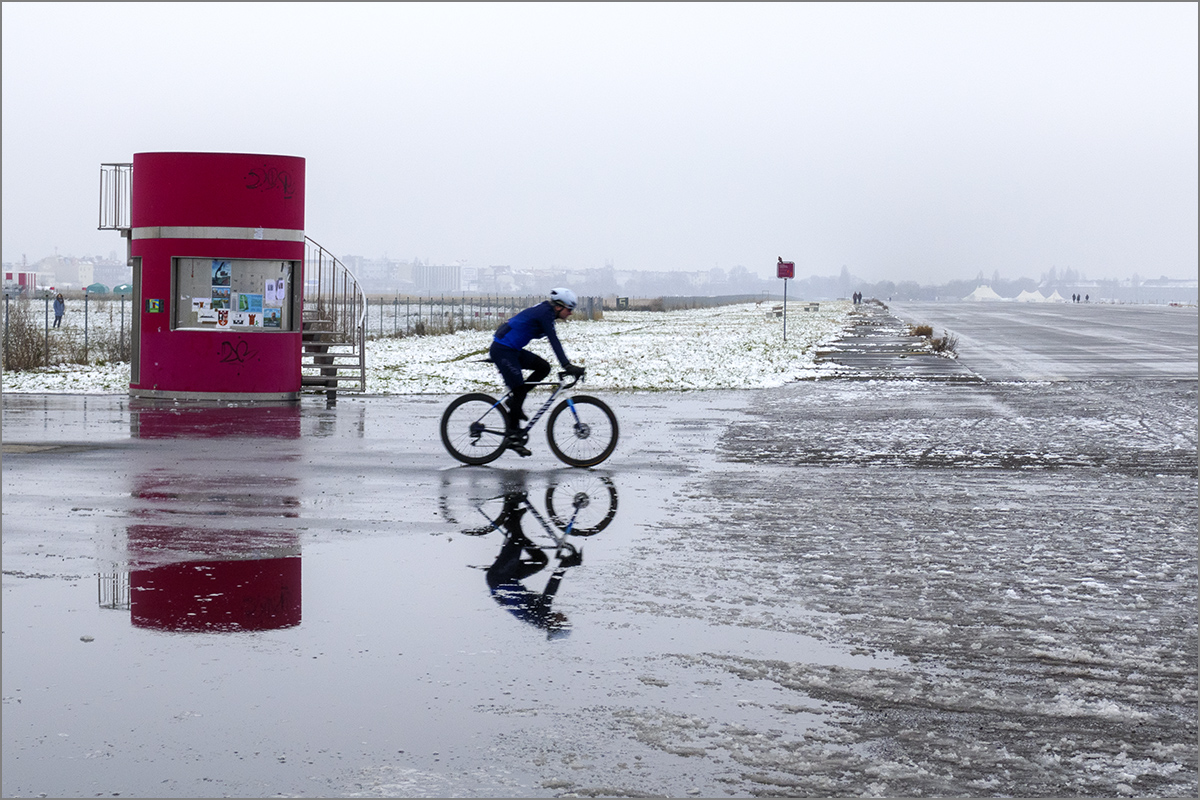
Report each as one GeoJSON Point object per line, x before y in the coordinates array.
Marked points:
{"type": "Point", "coordinates": [534, 322]}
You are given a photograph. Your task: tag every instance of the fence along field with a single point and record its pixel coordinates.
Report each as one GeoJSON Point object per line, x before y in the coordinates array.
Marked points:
{"type": "Point", "coordinates": [94, 330]}
{"type": "Point", "coordinates": [98, 329]}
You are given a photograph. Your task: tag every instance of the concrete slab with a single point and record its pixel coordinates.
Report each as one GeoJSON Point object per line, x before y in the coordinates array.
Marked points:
{"type": "Point", "coordinates": [1066, 341]}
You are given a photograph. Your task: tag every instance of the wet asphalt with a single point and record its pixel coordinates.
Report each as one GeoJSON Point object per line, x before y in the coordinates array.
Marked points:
{"type": "Point", "coordinates": [969, 576]}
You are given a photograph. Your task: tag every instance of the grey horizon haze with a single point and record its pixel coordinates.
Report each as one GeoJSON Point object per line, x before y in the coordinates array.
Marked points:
{"type": "Point", "coordinates": [904, 142]}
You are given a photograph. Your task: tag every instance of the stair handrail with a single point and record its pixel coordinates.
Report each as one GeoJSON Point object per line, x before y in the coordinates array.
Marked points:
{"type": "Point", "coordinates": [116, 182]}
{"type": "Point", "coordinates": [338, 298]}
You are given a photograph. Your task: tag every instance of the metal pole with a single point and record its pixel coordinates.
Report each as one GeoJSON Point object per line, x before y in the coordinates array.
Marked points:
{"type": "Point", "coordinates": [122, 340]}
{"type": "Point", "coordinates": [85, 327]}
{"type": "Point", "coordinates": [7, 358]}
{"type": "Point", "coordinates": [785, 309]}
{"type": "Point", "coordinates": [46, 363]}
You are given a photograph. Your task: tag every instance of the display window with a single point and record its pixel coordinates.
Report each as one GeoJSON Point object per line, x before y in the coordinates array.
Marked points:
{"type": "Point", "coordinates": [250, 295]}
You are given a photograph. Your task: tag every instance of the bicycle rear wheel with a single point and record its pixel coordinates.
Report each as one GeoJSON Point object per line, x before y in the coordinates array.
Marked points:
{"type": "Point", "coordinates": [582, 431]}
{"type": "Point", "coordinates": [473, 428]}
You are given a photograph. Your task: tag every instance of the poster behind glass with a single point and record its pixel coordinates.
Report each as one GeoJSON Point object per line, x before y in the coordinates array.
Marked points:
{"type": "Point", "coordinates": [250, 295]}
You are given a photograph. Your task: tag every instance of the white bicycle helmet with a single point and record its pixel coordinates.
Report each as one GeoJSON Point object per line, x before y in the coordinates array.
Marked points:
{"type": "Point", "coordinates": [565, 297]}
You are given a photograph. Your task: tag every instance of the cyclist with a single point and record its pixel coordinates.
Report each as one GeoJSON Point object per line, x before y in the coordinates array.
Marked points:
{"type": "Point", "coordinates": [510, 357]}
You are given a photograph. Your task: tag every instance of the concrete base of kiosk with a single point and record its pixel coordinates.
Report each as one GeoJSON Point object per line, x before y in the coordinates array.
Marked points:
{"type": "Point", "coordinates": [162, 394]}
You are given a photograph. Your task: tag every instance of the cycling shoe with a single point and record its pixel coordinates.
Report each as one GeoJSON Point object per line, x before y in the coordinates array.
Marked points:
{"type": "Point", "coordinates": [516, 443]}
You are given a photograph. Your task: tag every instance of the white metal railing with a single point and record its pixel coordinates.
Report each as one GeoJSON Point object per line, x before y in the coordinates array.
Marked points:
{"type": "Point", "coordinates": [115, 186]}
{"type": "Point", "coordinates": [334, 299]}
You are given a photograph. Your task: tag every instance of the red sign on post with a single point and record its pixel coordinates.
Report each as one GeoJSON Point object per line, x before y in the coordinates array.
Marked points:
{"type": "Point", "coordinates": [786, 269]}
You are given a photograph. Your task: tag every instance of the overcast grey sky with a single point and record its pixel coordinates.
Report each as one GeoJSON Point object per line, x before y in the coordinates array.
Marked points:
{"type": "Point", "coordinates": [906, 142]}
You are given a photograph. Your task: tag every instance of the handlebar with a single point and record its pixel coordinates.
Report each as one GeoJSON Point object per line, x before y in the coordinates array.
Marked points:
{"type": "Point", "coordinates": [563, 376]}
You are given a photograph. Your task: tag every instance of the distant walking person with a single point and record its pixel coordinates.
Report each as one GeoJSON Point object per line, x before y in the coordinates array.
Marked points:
{"type": "Point", "coordinates": [60, 308]}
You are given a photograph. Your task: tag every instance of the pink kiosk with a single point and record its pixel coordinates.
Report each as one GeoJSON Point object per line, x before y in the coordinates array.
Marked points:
{"type": "Point", "coordinates": [217, 248]}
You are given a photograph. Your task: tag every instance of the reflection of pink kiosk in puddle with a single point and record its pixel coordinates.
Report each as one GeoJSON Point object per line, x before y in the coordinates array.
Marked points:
{"type": "Point", "coordinates": [217, 244]}
{"type": "Point", "coordinates": [189, 576]}
{"type": "Point", "coordinates": [217, 596]}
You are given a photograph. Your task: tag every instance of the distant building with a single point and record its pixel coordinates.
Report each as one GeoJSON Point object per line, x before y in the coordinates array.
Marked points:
{"type": "Point", "coordinates": [19, 282]}
{"type": "Point", "coordinates": [65, 271]}
{"type": "Point", "coordinates": [111, 272]}
{"type": "Point", "coordinates": [437, 278]}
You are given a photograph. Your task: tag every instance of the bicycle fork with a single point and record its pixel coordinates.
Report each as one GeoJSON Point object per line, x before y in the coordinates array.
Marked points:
{"type": "Point", "coordinates": [559, 539]}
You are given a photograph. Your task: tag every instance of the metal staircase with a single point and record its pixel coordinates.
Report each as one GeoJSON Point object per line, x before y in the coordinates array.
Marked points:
{"type": "Point", "coordinates": [334, 330]}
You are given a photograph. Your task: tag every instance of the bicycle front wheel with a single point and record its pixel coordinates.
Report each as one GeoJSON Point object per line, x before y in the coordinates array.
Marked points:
{"type": "Point", "coordinates": [473, 428]}
{"type": "Point", "coordinates": [582, 431]}
{"type": "Point", "coordinates": [586, 501]}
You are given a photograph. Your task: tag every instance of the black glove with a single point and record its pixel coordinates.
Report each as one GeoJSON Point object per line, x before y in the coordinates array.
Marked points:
{"type": "Point", "coordinates": [574, 371]}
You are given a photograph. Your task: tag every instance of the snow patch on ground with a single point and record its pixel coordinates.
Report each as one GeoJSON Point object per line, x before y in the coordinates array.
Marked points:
{"type": "Point", "coordinates": [729, 347]}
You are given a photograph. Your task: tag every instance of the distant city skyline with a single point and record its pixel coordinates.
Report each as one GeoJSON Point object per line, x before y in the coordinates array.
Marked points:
{"type": "Point", "coordinates": [383, 276]}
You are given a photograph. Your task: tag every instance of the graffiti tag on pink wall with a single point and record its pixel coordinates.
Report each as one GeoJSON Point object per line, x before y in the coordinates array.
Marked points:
{"type": "Point", "coordinates": [267, 178]}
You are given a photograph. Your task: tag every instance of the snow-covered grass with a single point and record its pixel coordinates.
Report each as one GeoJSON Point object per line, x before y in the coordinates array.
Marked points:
{"type": "Point", "coordinates": [109, 378]}
{"type": "Point", "coordinates": [730, 347]}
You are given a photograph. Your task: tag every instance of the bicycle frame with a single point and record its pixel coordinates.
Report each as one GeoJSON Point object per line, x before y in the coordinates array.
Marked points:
{"type": "Point", "coordinates": [560, 539]}
{"type": "Point", "coordinates": [559, 387]}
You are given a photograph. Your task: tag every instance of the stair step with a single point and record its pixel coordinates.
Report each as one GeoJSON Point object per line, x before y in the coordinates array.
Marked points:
{"type": "Point", "coordinates": [323, 380]}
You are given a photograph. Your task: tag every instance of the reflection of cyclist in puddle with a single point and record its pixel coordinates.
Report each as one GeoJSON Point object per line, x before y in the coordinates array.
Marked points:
{"type": "Point", "coordinates": [520, 558]}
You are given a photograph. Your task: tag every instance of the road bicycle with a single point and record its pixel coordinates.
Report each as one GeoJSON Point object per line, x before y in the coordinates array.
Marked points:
{"type": "Point", "coordinates": [582, 430]}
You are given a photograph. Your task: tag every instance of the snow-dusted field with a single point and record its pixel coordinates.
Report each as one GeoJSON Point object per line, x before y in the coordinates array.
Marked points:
{"type": "Point", "coordinates": [730, 347]}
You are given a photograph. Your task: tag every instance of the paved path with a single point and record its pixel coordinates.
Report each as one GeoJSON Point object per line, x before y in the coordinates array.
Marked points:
{"type": "Point", "coordinates": [1042, 341]}
{"type": "Point", "coordinates": [882, 346]}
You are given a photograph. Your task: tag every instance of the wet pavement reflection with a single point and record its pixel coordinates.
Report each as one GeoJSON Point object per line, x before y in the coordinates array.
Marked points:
{"type": "Point", "coordinates": [822, 589]}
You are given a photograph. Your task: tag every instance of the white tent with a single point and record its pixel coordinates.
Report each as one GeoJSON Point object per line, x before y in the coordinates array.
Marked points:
{"type": "Point", "coordinates": [983, 292]}
{"type": "Point", "coordinates": [1056, 298]}
{"type": "Point", "coordinates": [1027, 296]}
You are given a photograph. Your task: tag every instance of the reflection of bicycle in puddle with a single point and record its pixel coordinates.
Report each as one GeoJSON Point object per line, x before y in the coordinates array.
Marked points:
{"type": "Point", "coordinates": [470, 498]}
{"type": "Point", "coordinates": [576, 505]}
